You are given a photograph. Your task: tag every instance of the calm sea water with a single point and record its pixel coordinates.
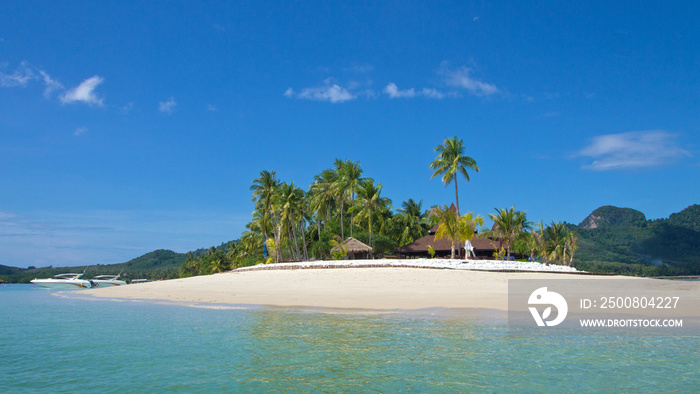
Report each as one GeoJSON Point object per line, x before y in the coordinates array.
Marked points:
{"type": "Point", "coordinates": [61, 344]}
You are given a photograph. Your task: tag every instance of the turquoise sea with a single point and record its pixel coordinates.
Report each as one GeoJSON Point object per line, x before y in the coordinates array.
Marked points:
{"type": "Point", "coordinates": [54, 342]}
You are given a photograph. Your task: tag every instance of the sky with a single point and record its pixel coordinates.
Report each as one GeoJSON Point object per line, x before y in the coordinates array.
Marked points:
{"type": "Point", "coordinates": [128, 126]}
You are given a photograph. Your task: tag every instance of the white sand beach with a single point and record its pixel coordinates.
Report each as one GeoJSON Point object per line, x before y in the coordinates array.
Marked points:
{"type": "Point", "coordinates": [377, 288]}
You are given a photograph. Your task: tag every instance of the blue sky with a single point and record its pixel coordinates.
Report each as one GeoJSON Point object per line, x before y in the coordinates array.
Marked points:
{"type": "Point", "coordinates": [127, 127]}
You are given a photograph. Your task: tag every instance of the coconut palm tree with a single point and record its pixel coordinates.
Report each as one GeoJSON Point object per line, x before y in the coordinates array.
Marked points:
{"type": "Point", "coordinates": [454, 227]}
{"type": "Point", "coordinates": [263, 189]}
{"type": "Point", "coordinates": [450, 161]}
{"type": "Point", "coordinates": [410, 223]}
{"type": "Point", "coordinates": [349, 175]}
{"type": "Point", "coordinates": [556, 234]}
{"type": "Point", "coordinates": [289, 200]}
{"type": "Point", "coordinates": [322, 198]}
{"type": "Point", "coordinates": [370, 204]}
{"type": "Point", "coordinates": [572, 245]}
{"type": "Point", "coordinates": [508, 225]}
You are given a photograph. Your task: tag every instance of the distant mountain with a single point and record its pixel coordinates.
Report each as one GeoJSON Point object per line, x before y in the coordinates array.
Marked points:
{"type": "Point", "coordinates": [612, 216]}
{"type": "Point", "coordinates": [5, 270]}
{"type": "Point", "coordinates": [622, 240]}
{"type": "Point", "coordinates": [688, 218]}
{"type": "Point", "coordinates": [154, 265]}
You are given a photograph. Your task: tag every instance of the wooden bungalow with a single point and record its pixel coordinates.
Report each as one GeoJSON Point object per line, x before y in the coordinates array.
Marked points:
{"type": "Point", "coordinates": [483, 247]}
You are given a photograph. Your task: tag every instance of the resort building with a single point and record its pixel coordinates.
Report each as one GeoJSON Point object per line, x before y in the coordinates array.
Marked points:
{"type": "Point", "coordinates": [484, 247]}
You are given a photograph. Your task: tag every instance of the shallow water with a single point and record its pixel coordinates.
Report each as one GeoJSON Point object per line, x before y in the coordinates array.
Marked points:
{"type": "Point", "coordinates": [61, 344]}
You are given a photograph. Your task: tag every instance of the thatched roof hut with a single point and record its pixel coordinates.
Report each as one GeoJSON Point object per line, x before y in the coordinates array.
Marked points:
{"type": "Point", "coordinates": [355, 248]}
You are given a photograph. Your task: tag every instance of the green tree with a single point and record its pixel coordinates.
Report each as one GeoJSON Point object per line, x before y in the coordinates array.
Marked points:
{"type": "Point", "coordinates": [349, 178]}
{"type": "Point", "coordinates": [450, 161]}
{"type": "Point", "coordinates": [263, 188]}
{"type": "Point", "coordinates": [322, 198]}
{"type": "Point", "coordinates": [571, 246]}
{"type": "Point", "coordinates": [556, 235]}
{"type": "Point", "coordinates": [508, 225]}
{"type": "Point", "coordinates": [410, 223]}
{"type": "Point", "coordinates": [455, 228]}
{"type": "Point", "coordinates": [370, 204]}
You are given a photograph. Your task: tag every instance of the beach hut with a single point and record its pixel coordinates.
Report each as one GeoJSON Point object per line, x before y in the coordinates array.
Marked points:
{"type": "Point", "coordinates": [355, 248]}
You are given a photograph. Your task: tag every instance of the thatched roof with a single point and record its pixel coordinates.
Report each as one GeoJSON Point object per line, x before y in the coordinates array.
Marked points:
{"type": "Point", "coordinates": [444, 244]}
{"type": "Point", "coordinates": [354, 246]}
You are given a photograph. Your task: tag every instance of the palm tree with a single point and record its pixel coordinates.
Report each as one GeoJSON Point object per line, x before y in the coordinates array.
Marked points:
{"type": "Point", "coordinates": [263, 189]}
{"type": "Point", "coordinates": [556, 235]}
{"type": "Point", "coordinates": [322, 197]}
{"type": "Point", "coordinates": [349, 178]}
{"type": "Point", "coordinates": [450, 161]}
{"type": "Point", "coordinates": [370, 203]}
{"type": "Point", "coordinates": [532, 242]}
{"type": "Point", "coordinates": [572, 245]}
{"type": "Point", "coordinates": [508, 224]}
{"type": "Point", "coordinates": [288, 200]}
{"type": "Point", "coordinates": [456, 228]}
{"type": "Point", "coordinates": [410, 222]}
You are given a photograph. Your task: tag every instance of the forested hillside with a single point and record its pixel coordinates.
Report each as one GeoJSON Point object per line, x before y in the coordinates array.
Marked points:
{"type": "Point", "coordinates": [622, 240]}
{"type": "Point", "coordinates": [159, 264]}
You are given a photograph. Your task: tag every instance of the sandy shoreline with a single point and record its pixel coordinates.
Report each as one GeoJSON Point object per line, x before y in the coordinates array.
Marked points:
{"type": "Point", "coordinates": [384, 288]}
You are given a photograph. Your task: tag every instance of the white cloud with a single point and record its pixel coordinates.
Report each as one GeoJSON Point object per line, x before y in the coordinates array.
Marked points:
{"type": "Point", "coordinates": [85, 92]}
{"type": "Point", "coordinates": [637, 149]}
{"type": "Point", "coordinates": [393, 91]}
{"type": "Point", "coordinates": [328, 92]}
{"type": "Point", "coordinates": [167, 106]}
{"type": "Point", "coordinates": [212, 108]}
{"type": "Point", "coordinates": [51, 84]}
{"type": "Point", "coordinates": [434, 93]}
{"type": "Point", "coordinates": [27, 73]}
{"type": "Point", "coordinates": [79, 131]}
{"type": "Point", "coordinates": [460, 78]}
{"type": "Point", "coordinates": [20, 77]}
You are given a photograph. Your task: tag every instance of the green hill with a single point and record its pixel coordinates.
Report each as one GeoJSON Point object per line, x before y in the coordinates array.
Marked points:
{"type": "Point", "coordinates": [622, 240]}
{"type": "Point", "coordinates": [159, 264]}
{"type": "Point", "coordinates": [609, 216]}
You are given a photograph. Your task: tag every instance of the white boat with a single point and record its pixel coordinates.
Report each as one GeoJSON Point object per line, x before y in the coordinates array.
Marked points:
{"type": "Point", "coordinates": [64, 281]}
{"type": "Point", "coordinates": [107, 280]}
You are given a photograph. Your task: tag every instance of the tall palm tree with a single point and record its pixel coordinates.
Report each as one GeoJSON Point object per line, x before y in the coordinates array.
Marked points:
{"type": "Point", "coordinates": [508, 225]}
{"type": "Point", "coordinates": [263, 189]}
{"type": "Point", "coordinates": [572, 245]}
{"type": "Point", "coordinates": [456, 228]}
{"type": "Point", "coordinates": [322, 197]}
{"type": "Point", "coordinates": [349, 179]}
{"type": "Point", "coordinates": [450, 161]}
{"type": "Point", "coordinates": [369, 204]}
{"type": "Point", "coordinates": [289, 199]}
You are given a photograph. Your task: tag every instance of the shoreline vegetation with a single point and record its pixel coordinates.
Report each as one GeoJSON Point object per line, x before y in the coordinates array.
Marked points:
{"type": "Point", "coordinates": [290, 224]}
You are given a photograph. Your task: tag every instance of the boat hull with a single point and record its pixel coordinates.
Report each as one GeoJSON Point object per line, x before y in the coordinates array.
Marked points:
{"type": "Point", "coordinates": [108, 283]}
{"type": "Point", "coordinates": [62, 284]}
